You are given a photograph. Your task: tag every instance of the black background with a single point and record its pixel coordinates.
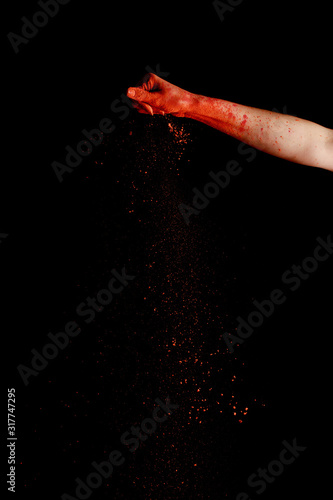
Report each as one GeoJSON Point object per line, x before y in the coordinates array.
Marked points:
{"type": "Point", "coordinates": [63, 238]}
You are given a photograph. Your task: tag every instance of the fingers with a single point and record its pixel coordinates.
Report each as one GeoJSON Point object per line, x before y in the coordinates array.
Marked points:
{"type": "Point", "coordinates": [147, 110]}
{"type": "Point", "coordinates": [142, 107]}
{"type": "Point", "coordinates": [150, 82]}
{"type": "Point", "coordinates": [147, 81]}
{"type": "Point", "coordinates": [142, 111]}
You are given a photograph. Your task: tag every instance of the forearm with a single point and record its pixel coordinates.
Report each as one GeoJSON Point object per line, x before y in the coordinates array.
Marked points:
{"type": "Point", "coordinates": [285, 136]}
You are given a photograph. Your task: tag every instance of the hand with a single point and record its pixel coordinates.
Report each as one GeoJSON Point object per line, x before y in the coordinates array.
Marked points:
{"type": "Point", "coordinates": [153, 95]}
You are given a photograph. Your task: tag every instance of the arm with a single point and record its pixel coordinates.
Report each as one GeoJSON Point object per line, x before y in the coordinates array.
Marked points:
{"type": "Point", "coordinates": [280, 135]}
{"type": "Point", "coordinates": [287, 137]}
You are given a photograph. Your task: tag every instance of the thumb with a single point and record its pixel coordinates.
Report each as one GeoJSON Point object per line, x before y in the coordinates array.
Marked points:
{"type": "Point", "coordinates": [140, 95]}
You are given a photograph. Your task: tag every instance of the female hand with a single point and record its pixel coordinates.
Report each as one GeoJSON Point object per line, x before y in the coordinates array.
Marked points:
{"type": "Point", "coordinates": [153, 95]}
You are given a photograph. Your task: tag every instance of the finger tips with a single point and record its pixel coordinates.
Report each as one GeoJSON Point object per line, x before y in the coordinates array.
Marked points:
{"type": "Point", "coordinates": [130, 92]}
{"type": "Point", "coordinates": [147, 108]}
{"type": "Point", "coordinates": [135, 93]}
{"type": "Point", "coordinates": [143, 108]}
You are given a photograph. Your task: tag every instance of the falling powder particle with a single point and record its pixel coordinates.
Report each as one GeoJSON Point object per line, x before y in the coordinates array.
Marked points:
{"type": "Point", "coordinates": [179, 324]}
{"type": "Point", "coordinates": [174, 326]}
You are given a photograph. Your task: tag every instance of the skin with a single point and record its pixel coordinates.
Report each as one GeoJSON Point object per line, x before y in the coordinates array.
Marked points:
{"type": "Point", "coordinates": [287, 137]}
